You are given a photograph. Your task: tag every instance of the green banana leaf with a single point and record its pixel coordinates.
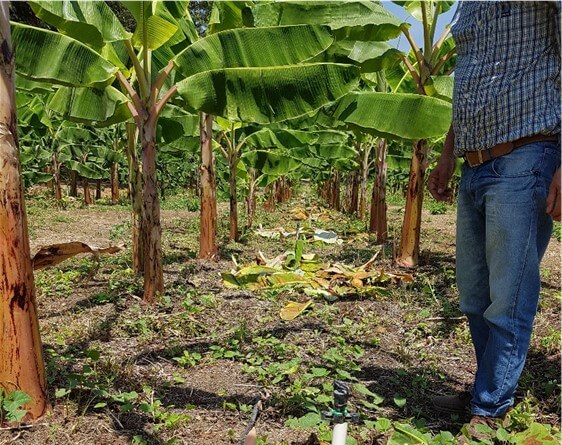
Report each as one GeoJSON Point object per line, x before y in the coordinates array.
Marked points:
{"type": "Point", "coordinates": [303, 155]}
{"type": "Point", "coordinates": [33, 109]}
{"type": "Point", "coordinates": [266, 138]}
{"type": "Point", "coordinates": [374, 56]}
{"type": "Point", "coordinates": [90, 105]}
{"type": "Point", "coordinates": [47, 56]}
{"type": "Point", "coordinates": [270, 162]}
{"type": "Point", "coordinates": [179, 147]}
{"type": "Point", "coordinates": [370, 56]}
{"type": "Point", "coordinates": [23, 84]}
{"type": "Point", "coordinates": [36, 153]}
{"type": "Point", "coordinates": [174, 127]}
{"type": "Point", "coordinates": [265, 95]}
{"type": "Point", "coordinates": [258, 47]}
{"type": "Point", "coordinates": [227, 15]}
{"type": "Point", "coordinates": [332, 152]}
{"type": "Point", "coordinates": [396, 116]}
{"type": "Point", "coordinates": [90, 22]}
{"type": "Point", "coordinates": [329, 137]}
{"type": "Point", "coordinates": [152, 30]}
{"type": "Point", "coordinates": [91, 171]}
{"type": "Point", "coordinates": [440, 87]}
{"type": "Point", "coordinates": [414, 8]}
{"type": "Point", "coordinates": [36, 177]}
{"type": "Point", "coordinates": [355, 20]}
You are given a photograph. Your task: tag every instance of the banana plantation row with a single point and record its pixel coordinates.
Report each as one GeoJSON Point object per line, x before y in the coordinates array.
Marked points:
{"type": "Point", "coordinates": [270, 90]}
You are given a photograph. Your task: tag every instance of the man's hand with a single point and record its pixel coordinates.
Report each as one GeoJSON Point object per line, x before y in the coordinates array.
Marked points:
{"type": "Point", "coordinates": [554, 196]}
{"type": "Point", "coordinates": [439, 179]}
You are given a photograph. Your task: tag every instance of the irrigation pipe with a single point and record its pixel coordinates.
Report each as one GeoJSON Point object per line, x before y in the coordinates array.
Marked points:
{"type": "Point", "coordinates": [248, 433]}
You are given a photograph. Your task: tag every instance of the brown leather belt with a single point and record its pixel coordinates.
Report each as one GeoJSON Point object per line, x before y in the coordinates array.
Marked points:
{"type": "Point", "coordinates": [476, 158]}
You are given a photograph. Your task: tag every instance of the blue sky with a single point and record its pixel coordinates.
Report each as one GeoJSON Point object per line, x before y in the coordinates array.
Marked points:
{"type": "Point", "coordinates": [416, 29]}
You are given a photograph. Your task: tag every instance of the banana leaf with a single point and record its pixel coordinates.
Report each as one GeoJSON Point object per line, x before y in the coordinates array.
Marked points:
{"type": "Point", "coordinates": [270, 162]}
{"type": "Point", "coordinates": [47, 56]}
{"type": "Point", "coordinates": [253, 48]}
{"type": "Point", "coordinates": [152, 30]}
{"type": "Point", "coordinates": [440, 87]}
{"type": "Point", "coordinates": [92, 106]}
{"type": "Point", "coordinates": [227, 15]}
{"type": "Point", "coordinates": [90, 22]}
{"type": "Point", "coordinates": [265, 95]}
{"type": "Point", "coordinates": [266, 138]}
{"type": "Point", "coordinates": [396, 116]}
{"type": "Point", "coordinates": [354, 20]}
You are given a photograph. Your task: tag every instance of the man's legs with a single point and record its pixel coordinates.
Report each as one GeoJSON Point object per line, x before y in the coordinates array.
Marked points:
{"type": "Point", "coordinates": [503, 232]}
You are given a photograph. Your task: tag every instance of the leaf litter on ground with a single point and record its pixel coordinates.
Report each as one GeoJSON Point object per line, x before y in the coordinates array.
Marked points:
{"type": "Point", "coordinates": [295, 269]}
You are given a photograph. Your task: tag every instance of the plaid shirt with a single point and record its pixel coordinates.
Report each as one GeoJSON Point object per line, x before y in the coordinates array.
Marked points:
{"type": "Point", "coordinates": [507, 78]}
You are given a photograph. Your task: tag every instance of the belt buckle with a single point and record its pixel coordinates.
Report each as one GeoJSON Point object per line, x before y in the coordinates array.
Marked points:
{"type": "Point", "coordinates": [480, 159]}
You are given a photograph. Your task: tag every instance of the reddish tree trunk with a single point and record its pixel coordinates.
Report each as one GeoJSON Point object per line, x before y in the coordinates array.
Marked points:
{"type": "Point", "coordinates": [153, 272]}
{"type": "Point", "coordinates": [378, 222]}
{"type": "Point", "coordinates": [56, 180]}
{"type": "Point", "coordinates": [251, 198]}
{"type": "Point", "coordinates": [334, 191]}
{"type": "Point", "coordinates": [364, 180]}
{"type": "Point", "coordinates": [115, 183]}
{"type": "Point", "coordinates": [98, 188]}
{"type": "Point", "coordinates": [270, 201]}
{"type": "Point", "coordinates": [87, 194]}
{"type": "Point", "coordinates": [208, 245]}
{"type": "Point", "coordinates": [135, 192]}
{"type": "Point", "coordinates": [410, 242]}
{"type": "Point", "coordinates": [21, 358]}
{"type": "Point", "coordinates": [232, 167]}
{"type": "Point", "coordinates": [73, 191]}
{"type": "Point", "coordinates": [352, 193]}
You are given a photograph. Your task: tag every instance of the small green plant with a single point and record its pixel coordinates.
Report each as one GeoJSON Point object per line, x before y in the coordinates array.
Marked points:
{"type": "Point", "coordinates": [437, 207]}
{"type": "Point", "coordinates": [162, 416]}
{"type": "Point", "coordinates": [120, 231]}
{"type": "Point", "coordinates": [188, 359]}
{"type": "Point", "coordinates": [11, 404]}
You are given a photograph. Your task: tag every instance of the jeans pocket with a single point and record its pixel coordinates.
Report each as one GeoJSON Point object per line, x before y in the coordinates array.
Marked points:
{"type": "Point", "coordinates": [522, 161]}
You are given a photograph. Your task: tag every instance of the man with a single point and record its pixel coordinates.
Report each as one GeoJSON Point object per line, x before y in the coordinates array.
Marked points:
{"type": "Point", "coordinates": [506, 126]}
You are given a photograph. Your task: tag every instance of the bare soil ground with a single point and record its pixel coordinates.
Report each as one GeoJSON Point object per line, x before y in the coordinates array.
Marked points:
{"type": "Point", "coordinates": [404, 345]}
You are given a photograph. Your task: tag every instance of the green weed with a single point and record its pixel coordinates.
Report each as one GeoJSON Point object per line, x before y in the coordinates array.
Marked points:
{"type": "Point", "coordinates": [11, 404]}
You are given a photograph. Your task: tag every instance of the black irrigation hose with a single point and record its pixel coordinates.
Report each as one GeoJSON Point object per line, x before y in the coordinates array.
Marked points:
{"type": "Point", "coordinates": [255, 413]}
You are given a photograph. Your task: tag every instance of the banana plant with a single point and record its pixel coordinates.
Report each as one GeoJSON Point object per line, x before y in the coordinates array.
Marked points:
{"type": "Point", "coordinates": [21, 359]}
{"type": "Point", "coordinates": [212, 75]}
{"type": "Point", "coordinates": [429, 70]}
{"type": "Point", "coordinates": [235, 138]}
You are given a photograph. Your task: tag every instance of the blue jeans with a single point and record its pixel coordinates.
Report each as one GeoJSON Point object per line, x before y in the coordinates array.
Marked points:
{"type": "Point", "coordinates": [502, 234]}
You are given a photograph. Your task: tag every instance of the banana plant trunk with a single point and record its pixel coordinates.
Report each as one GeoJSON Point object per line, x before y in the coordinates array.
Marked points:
{"type": "Point", "coordinates": [135, 191]}
{"type": "Point", "coordinates": [87, 195]}
{"type": "Point", "coordinates": [378, 221]}
{"type": "Point", "coordinates": [232, 168]}
{"type": "Point", "coordinates": [364, 180]}
{"type": "Point", "coordinates": [98, 188]}
{"type": "Point", "coordinates": [270, 203]}
{"type": "Point", "coordinates": [352, 193]}
{"type": "Point", "coordinates": [21, 358]}
{"type": "Point", "coordinates": [56, 179]}
{"type": "Point", "coordinates": [251, 199]}
{"type": "Point", "coordinates": [73, 190]}
{"type": "Point", "coordinates": [207, 244]}
{"type": "Point", "coordinates": [335, 187]}
{"type": "Point", "coordinates": [408, 255]}
{"type": "Point", "coordinates": [115, 183]}
{"type": "Point", "coordinates": [153, 272]}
